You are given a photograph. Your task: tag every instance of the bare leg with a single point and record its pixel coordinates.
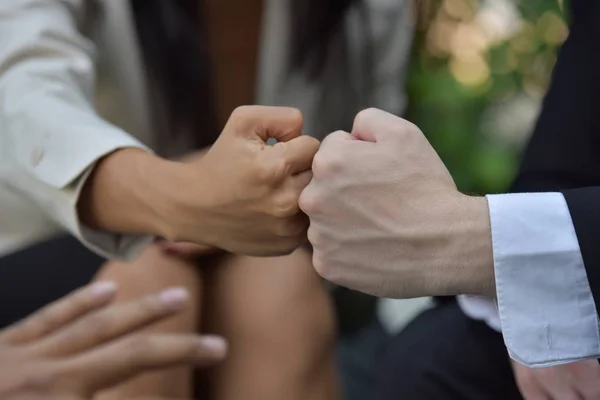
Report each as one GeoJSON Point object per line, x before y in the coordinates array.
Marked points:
{"type": "Point", "coordinates": [278, 319]}
{"type": "Point", "coordinates": [150, 272]}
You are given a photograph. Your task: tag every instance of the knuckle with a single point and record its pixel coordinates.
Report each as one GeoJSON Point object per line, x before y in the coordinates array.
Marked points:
{"type": "Point", "coordinates": [272, 171]}
{"type": "Point", "coordinates": [408, 135]}
{"type": "Point", "coordinates": [241, 112]}
{"type": "Point", "coordinates": [78, 302]}
{"type": "Point", "coordinates": [39, 323]}
{"type": "Point", "coordinates": [139, 347]}
{"type": "Point", "coordinates": [299, 227]}
{"type": "Point", "coordinates": [313, 236]}
{"type": "Point", "coordinates": [407, 130]}
{"type": "Point", "coordinates": [285, 206]}
{"type": "Point", "coordinates": [326, 164]}
{"type": "Point", "coordinates": [150, 307]}
{"type": "Point", "coordinates": [295, 117]}
{"type": "Point", "coordinates": [311, 142]}
{"type": "Point", "coordinates": [319, 265]}
{"type": "Point", "coordinates": [333, 137]}
{"type": "Point", "coordinates": [46, 378]}
{"type": "Point", "coordinates": [98, 327]}
{"type": "Point", "coordinates": [366, 115]}
{"type": "Point", "coordinates": [308, 200]}
{"type": "Point", "coordinates": [43, 322]}
{"type": "Point", "coordinates": [290, 228]}
{"type": "Point", "coordinates": [319, 163]}
{"type": "Point", "coordinates": [189, 345]}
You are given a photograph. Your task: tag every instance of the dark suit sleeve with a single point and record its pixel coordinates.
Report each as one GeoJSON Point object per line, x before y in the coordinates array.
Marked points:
{"type": "Point", "coordinates": [564, 151]}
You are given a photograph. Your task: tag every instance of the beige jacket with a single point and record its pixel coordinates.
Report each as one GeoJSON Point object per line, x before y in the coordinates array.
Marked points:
{"type": "Point", "coordinates": [52, 59]}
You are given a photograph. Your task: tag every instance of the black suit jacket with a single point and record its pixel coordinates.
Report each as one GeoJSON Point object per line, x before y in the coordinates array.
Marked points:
{"type": "Point", "coordinates": [564, 151]}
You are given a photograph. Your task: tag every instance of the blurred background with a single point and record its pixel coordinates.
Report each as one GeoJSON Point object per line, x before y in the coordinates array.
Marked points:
{"type": "Point", "coordinates": [478, 74]}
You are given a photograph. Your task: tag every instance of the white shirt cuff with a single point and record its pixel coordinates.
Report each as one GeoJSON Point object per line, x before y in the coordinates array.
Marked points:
{"type": "Point", "coordinates": [60, 201]}
{"type": "Point", "coordinates": [547, 312]}
{"type": "Point", "coordinates": [482, 309]}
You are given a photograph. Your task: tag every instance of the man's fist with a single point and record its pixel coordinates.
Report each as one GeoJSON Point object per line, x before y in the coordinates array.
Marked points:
{"type": "Point", "coordinates": [386, 217]}
{"type": "Point", "coordinates": [242, 195]}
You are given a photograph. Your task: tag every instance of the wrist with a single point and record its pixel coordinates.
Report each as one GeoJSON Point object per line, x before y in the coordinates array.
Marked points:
{"type": "Point", "coordinates": [185, 202]}
{"type": "Point", "coordinates": [471, 263]}
{"type": "Point", "coordinates": [126, 193]}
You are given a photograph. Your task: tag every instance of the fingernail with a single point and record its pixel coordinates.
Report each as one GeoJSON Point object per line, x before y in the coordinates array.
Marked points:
{"type": "Point", "coordinates": [103, 289]}
{"type": "Point", "coordinates": [216, 344]}
{"type": "Point", "coordinates": [174, 298]}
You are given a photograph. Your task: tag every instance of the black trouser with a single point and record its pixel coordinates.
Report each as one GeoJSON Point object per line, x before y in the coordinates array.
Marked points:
{"type": "Point", "coordinates": [33, 277]}
{"type": "Point", "coordinates": [445, 355]}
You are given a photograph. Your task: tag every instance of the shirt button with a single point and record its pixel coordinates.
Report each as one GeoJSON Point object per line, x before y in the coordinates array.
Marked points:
{"type": "Point", "coordinates": [36, 156]}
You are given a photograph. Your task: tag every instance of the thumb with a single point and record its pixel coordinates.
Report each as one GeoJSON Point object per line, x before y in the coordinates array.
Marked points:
{"type": "Point", "coordinates": [264, 123]}
{"type": "Point", "coordinates": [374, 125]}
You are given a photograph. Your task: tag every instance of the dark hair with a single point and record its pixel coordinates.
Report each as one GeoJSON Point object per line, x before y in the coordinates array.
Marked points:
{"type": "Point", "coordinates": [175, 50]}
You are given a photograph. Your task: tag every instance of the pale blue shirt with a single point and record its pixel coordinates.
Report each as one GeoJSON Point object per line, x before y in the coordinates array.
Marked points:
{"type": "Point", "coordinates": [545, 308]}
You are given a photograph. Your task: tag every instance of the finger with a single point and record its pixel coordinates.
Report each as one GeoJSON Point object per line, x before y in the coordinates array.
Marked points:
{"type": "Point", "coordinates": [300, 181]}
{"type": "Point", "coordinates": [583, 390]}
{"type": "Point", "coordinates": [281, 123]}
{"type": "Point", "coordinates": [585, 378]}
{"type": "Point", "coordinates": [589, 390]}
{"type": "Point", "coordinates": [60, 313]}
{"type": "Point", "coordinates": [528, 384]}
{"type": "Point", "coordinates": [112, 323]}
{"type": "Point", "coordinates": [542, 390]}
{"type": "Point", "coordinates": [118, 361]}
{"type": "Point", "coordinates": [556, 384]}
{"type": "Point", "coordinates": [295, 186]}
{"type": "Point", "coordinates": [335, 137]}
{"type": "Point", "coordinates": [533, 391]}
{"type": "Point", "coordinates": [373, 125]}
{"type": "Point", "coordinates": [298, 153]}
{"type": "Point", "coordinates": [563, 394]}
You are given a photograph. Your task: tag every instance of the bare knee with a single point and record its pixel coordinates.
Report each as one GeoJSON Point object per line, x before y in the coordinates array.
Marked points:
{"type": "Point", "coordinates": [276, 309]}
{"type": "Point", "coordinates": [150, 272]}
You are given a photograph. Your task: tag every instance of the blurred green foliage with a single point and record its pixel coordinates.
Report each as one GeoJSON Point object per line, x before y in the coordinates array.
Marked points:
{"type": "Point", "coordinates": [465, 64]}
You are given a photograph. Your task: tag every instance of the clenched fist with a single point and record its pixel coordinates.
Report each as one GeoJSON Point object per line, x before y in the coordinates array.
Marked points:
{"type": "Point", "coordinates": [242, 196]}
{"type": "Point", "coordinates": [387, 219]}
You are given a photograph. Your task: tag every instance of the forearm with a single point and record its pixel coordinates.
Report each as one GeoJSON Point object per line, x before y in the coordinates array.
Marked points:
{"type": "Point", "coordinates": [129, 191]}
